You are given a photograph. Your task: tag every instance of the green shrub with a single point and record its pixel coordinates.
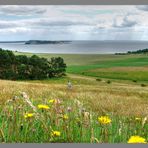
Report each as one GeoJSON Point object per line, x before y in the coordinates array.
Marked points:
{"type": "Point", "coordinates": [98, 79]}
{"type": "Point", "coordinates": [108, 81]}
{"type": "Point", "coordinates": [143, 85]}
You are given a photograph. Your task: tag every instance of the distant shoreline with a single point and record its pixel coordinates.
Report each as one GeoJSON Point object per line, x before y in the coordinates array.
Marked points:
{"type": "Point", "coordinates": [74, 47]}
{"type": "Point", "coordinates": [63, 53]}
{"type": "Point", "coordinates": [34, 42]}
{"type": "Point", "coordinates": [12, 41]}
{"type": "Point", "coordinates": [75, 40]}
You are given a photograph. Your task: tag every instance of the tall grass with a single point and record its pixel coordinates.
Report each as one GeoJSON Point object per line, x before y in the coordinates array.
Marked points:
{"type": "Point", "coordinates": [74, 113]}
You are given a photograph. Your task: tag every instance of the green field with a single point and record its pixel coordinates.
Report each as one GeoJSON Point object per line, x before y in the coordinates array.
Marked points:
{"type": "Point", "coordinates": [124, 69]}
{"type": "Point", "coordinates": [110, 66]}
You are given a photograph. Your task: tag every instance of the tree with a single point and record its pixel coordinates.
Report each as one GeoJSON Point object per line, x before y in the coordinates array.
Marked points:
{"type": "Point", "coordinates": [23, 67]}
{"type": "Point", "coordinates": [39, 67]}
{"type": "Point", "coordinates": [7, 59]}
{"type": "Point", "coordinates": [23, 71]}
{"type": "Point", "coordinates": [57, 67]}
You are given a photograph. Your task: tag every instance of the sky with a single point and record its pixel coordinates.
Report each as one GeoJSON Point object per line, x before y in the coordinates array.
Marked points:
{"type": "Point", "coordinates": [73, 22]}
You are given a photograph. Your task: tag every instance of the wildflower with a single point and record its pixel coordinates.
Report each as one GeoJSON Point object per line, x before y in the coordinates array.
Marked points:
{"type": "Point", "coordinates": [27, 100]}
{"type": "Point", "coordinates": [65, 117]}
{"type": "Point", "coordinates": [78, 103]}
{"type": "Point", "coordinates": [144, 121]}
{"type": "Point", "coordinates": [52, 101]}
{"type": "Point", "coordinates": [86, 115]}
{"type": "Point", "coordinates": [138, 119]}
{"type": "Point", "coordinates": [69, 85]}
{"type": "Point", "coordinates": [28, 115]}
{"type": "Point", "coordinates": [136, 139]}
{"type": "Point", "coordinates": [43, 106]}
{"type": "Point", "coordinates": [24, 95]}
{"type": "Point", "coordinates": [14, 98]}
{"type": "Point", "coordinates": [69, 109]}
{"type": "Point", "coordinates": [83, 110]}
{"type": "Point", "coordinates": [104, 120]}
{"type": "Point", "coordinates": [56, 133]}
{"type": "Point", "coordinates": [58, 101]}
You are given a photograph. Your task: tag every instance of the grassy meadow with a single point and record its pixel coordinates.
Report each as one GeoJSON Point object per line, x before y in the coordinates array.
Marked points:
{"type": "Point", "coordinates": [109, 66]}
{"type": "Point", "coordinates": [108, 103]}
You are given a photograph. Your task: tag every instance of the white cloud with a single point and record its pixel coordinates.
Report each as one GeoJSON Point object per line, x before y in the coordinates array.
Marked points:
{"type": "Point", "coordinates": [142, 7]}
{"type": "Point", "coordinates": [74, 22]}
{"type": "Point", "coordinates": [21, 10]}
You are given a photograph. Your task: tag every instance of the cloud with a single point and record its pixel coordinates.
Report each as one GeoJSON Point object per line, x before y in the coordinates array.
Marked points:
{"type": "Point", "coordinates": [43, 22]}
{"type": "Point", "coordinates": [60, 22]}
{"type": "Point", "coordinates": [8, 24]}
{"type": "Point", "coordinates": [142, 7]}
{"type": "Point", "coordinates": [72, 22]}
{"type": "Point", "coordinates": [123, 22]}
{"type": "Point", "coordinates": [21, 10]}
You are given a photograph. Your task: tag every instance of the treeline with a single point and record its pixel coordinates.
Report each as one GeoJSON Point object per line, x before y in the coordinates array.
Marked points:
{"type": "Point", "coordinates": [141, 51]}
{"type": "Point", "coordinates": [16, 67]}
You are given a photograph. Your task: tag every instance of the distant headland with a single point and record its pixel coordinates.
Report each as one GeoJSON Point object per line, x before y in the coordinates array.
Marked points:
{"type": "Point", "coordinates": [45, 42]}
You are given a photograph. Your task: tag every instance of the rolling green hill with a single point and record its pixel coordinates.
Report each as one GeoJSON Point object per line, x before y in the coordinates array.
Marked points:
{"type": "Point", "coordinates": [110, 66]}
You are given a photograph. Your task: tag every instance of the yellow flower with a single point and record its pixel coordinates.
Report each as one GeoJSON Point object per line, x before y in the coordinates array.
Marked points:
{"type": "Point", "coordinates": [65, 117]}
{"type": "Point", "coordinates": [40, 106]}
{"type": "Point", "coordinates": [136, 139]}
{"type": "Point", "coordinates": [51, 101]}
{"type": "Point", "coordinates": [137, 119]}
{"type": "Point", "coordinates": [28, 115]}
{"type": "Point", "coordinates": [56, 133]}
{"type": "Point", "coordinates": [104, 120]}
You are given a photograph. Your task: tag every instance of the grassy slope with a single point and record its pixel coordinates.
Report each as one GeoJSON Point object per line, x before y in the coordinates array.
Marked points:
{"type": "Point", "coordinates": [121, 101]}
{"type": "Point", "coordinates": [96, 69]}
{"type": "Point", "coordinates": [91, 65]}
{"type": "Point", "coordinates": [92, 93]}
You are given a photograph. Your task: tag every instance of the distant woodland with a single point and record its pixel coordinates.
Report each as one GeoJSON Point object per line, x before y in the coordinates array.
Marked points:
{"type": "Point", "coordinates": [141, 51]}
